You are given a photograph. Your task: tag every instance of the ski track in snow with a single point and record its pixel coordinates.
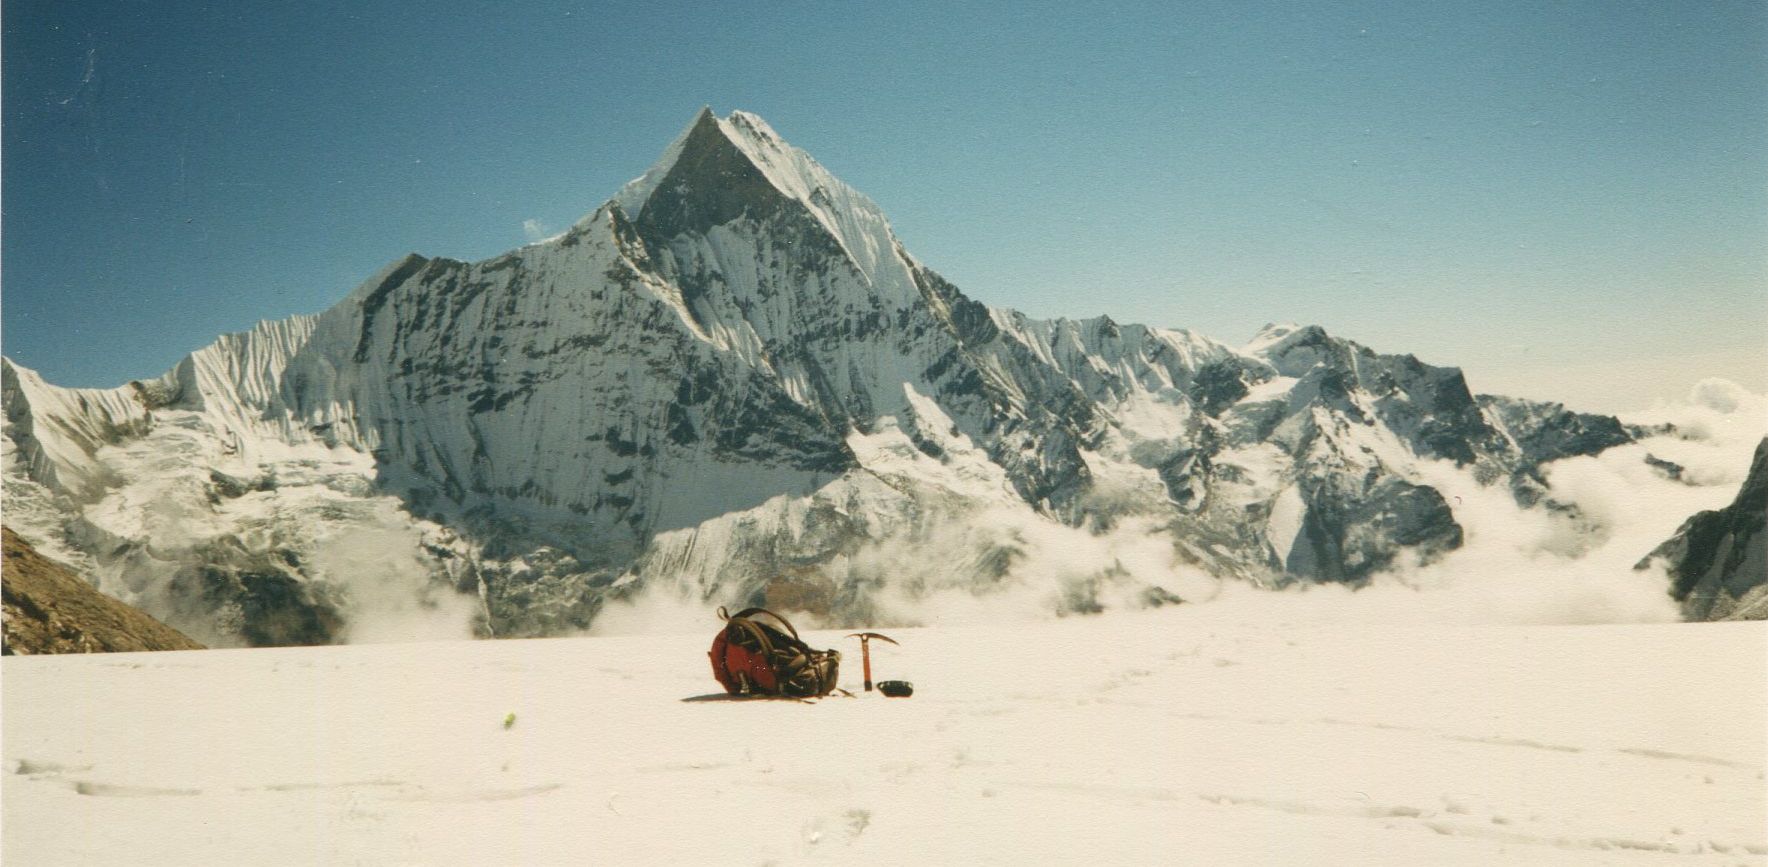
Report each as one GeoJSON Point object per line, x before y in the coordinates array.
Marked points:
{"type": "Point", "coordinates": [1114, 739]}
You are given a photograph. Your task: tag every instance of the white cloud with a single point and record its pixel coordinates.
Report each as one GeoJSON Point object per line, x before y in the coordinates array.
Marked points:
{"type": "Point", "coordinates": [535, 230]}
{"type": "Point", "coordinates": [1516, 566]}
{"type": "Point", "coordinates": [1538, 566]}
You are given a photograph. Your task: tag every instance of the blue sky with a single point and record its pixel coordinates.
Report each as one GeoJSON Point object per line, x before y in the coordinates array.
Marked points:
{"type": "Point", "coordinates": [1568, 200]}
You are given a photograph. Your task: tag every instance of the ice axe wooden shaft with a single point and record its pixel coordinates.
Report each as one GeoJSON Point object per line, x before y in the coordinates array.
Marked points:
{"type": "Point", "coordinates": [865, 651]}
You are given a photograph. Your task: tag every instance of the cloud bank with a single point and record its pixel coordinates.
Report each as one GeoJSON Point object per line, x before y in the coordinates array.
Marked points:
{"type": "Point", "coordinates": [1568, 565]}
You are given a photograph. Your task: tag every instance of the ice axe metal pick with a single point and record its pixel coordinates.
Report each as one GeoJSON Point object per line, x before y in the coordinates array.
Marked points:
{"type": "Point", "coordinates": [865, 651]}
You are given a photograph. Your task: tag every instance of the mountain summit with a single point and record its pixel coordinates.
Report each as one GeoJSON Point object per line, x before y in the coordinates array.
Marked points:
{"type": "Point", "coordinates": [732, 384]}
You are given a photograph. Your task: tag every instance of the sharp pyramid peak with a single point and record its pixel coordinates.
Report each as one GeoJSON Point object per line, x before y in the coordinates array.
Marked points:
{"type": "Point", "coordinates": [787, 168]}
{"type": "Point", "coordinates": [631, 197]}
{"type": "Point", "coordinates": [853, 219]}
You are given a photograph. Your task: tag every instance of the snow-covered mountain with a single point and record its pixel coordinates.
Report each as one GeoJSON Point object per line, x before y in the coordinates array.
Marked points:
{"type": "Point", "coordinates": [733, 384]}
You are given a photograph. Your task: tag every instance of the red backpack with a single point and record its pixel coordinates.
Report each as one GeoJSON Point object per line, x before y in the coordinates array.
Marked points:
{"type": "Point", "coordinates": [750, 657]}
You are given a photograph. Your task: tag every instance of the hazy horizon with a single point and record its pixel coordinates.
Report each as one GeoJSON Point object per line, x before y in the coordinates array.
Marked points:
{"type": "Point", "coordinates": [1566, 203]}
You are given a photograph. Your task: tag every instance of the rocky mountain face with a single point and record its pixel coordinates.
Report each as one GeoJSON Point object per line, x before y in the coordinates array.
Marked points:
{"type": "Point", "coordinates": [1718, 559]}
{"type": "Point", "coordinates": [731, 382]}
{"type": "Point", "coordinates": [51, 610]}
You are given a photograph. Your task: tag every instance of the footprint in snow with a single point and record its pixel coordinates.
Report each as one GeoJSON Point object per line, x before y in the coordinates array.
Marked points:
{"type": "Point", "coordinates": [479, 795]}
{"type": "Point", "coordinates": [841, 828]}
{"type": "Point", "coordinates": [1516, 742]}
{"type": "Point", "coordinates": [31, 768]}
{"type": "Point", "coordinates": [1684, 757]}
{"type": "Point", "coordinates": [349, 784]}
{"type": "Point", "coordinates": [108, 790]}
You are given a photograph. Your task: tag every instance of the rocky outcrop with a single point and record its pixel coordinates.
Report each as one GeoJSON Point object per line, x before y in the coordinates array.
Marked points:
{"type": "Point", "coordinates": [51, 610]}
{"type": "Point", "coordinates": [1718, 559]}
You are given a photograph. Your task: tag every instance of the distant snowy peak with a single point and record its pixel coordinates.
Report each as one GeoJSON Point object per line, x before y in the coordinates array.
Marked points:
{"type": "Point", "coordinates": [1293, 350]}
{"type": "Point", "coordinates": [54, 433]}
{"type": "Point", "coordinates": [632, 196]}
{"type": "Point", "coordinates": [719, 163]}
{"type": "Point", "coordinates": [1272, 334]}
{"type": "Point", "coordinates": [734, 380]}
{"type": "Point", "coordinates": [237, 381]}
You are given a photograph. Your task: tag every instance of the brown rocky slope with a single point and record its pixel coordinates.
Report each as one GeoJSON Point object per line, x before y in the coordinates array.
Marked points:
{"type": "Point", "coordinates": [49, 609]}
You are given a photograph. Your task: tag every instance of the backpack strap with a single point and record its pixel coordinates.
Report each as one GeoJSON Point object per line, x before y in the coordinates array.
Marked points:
{"type": "Point", "coordinates": [750, 612]}
{"type": "Point", "coordinates": [755, 630]}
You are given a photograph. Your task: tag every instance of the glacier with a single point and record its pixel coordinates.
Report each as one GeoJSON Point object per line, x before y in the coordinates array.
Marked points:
{"type": "Point", "coordinates": [1208, 738]}
{"type": "Point", "coordinates": [732, 384]}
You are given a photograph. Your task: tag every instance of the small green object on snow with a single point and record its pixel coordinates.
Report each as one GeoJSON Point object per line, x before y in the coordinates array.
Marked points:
{"type": "Point", "coordinates": [509, 720]}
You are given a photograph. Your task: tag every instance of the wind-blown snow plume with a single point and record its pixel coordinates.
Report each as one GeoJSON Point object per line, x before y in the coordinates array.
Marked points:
{"type": "Point", "coordinates": [391, 593]}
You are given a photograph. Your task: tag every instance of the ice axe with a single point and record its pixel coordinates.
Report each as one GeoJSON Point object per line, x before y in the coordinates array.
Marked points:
{"type": "Point", "coordinates": [865, 651]}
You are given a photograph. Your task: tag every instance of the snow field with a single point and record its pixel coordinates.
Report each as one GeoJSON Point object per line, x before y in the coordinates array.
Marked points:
{"type": "Point", "coordinates": [1169, 736]}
